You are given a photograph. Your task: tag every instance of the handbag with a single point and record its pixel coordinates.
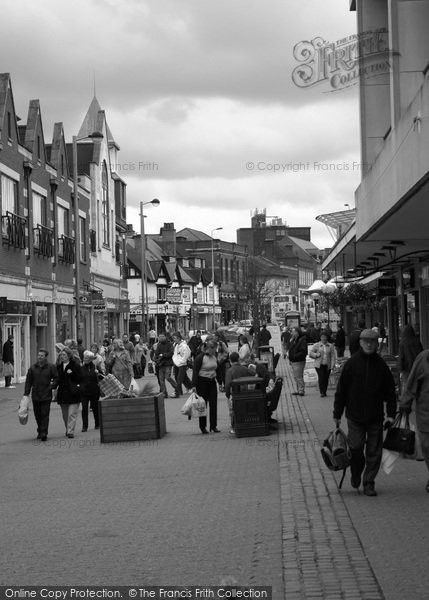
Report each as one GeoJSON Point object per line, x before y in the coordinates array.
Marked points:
{"type": "Point", "coordinates": [400, 437]}
{"type": "Point", "coordinates": [8, 369]}
{"type": "Point", "coordinates": [150, 368]}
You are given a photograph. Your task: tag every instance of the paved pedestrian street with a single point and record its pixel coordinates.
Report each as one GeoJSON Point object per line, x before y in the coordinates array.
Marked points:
{"type": "Point", "coordinates": [190, 509]}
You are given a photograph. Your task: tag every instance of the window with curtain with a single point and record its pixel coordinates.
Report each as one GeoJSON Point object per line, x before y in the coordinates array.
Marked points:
{"type": "Point", "coordinates": [105, 206]}
{"type": "Point", "coordinates": [63, 221]}
{"type": "Point", "coordinates": [9, 195]}
{"type": "Point", "coordinates": [39, 210]}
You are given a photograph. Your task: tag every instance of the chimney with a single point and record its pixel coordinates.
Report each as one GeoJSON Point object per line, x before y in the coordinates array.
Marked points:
{"type": "Point", "coordinates": [168, 235]}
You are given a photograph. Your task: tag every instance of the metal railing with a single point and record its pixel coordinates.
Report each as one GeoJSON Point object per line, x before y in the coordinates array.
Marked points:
{"type": "Point", "coordinates": [13, 230]}
{"type": "Point", "coordinates": [66, 249]}
{"type": "Point", "coordinates": [42, 241]}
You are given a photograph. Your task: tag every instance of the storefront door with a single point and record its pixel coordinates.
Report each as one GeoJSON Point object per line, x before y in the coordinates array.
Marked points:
{"type": "Point", "coordinates": [20, 346]}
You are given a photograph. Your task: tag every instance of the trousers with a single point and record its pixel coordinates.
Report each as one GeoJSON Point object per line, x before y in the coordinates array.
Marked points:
{"type": "Point", "coordinates": [366, 445]}
{"type": "Point", "coordinates": [207, 388]}
{"type": "Point", "coordinates": [41, 414]}
{"type": "Point", "coordinates": [298, 375]}
{"type": "Point", "coordinates": [323, 378]}
{"type": "Point", "coordinates": [69, 412]}
{"type": "Point", "coordinates": [86, 403]}
{"type": "Point", "coordinates": [181, 376]}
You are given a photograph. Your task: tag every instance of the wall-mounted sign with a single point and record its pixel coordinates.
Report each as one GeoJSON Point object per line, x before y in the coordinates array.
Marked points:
{"type": "Point", "coordinates": [387, 286]}
{"type": "Point", "coordinates": [174, 295]}
{"type": "Point", "coordinates": [41, 316]}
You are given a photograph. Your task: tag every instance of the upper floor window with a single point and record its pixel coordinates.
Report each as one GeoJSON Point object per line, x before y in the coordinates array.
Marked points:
{"type": "Point", "coordinates": [39, 210]}
{"type": "Point", "coordinates": [105, 206]}
{"type": "Point", "coordinates": [9, 195]}
{"type": "Point", "coordinates": [82, 238]}
{"type": "Point", "coordinates": [63, 221]}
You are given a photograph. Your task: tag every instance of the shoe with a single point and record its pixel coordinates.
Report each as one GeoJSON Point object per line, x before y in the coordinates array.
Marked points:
{"type": "Point", "coordinates": [369, 490]}
{"type": "Point", "coordinates": [11, 387]}
{"type": "Point", "coordinates": [272, 421]}
{"type": "Point", "coordinates": [84, 429]}
{"type": "Point", "coordinates": [214, 429]}
{"type": "Point", "coordinates": [39, 436]}
{"type": "Point", "coordinates": [173, 395]}
{"type": "Point", "coordinates": [70, 435]}
{"type": "Point", "coordinates": [323, 395]}
{"type": "Point", "coordinates": [301, 394]}
{"type": "Point", "coordinates": [355, 482]}
{"type": "Point", "coordinates": [204, 431]}
{"type": "Point", "coordinates": [295, 394]}
{"type": "Point", "coordinates": [232, 431]}
{"type": "Point", "coordinates": [43, 438]}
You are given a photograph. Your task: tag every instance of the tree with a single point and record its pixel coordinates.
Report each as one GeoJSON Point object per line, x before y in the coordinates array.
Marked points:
{"type": "Point", "coordinates": [261, 286]}
{"type": "Point", "coordinates": [354, 295]}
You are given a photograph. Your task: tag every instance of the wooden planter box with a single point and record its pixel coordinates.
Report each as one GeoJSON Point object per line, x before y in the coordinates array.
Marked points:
{"type": "Point", "coordinates": [131, 419]}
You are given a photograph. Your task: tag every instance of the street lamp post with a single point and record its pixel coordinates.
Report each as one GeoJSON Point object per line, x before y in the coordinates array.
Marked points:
{"type": "Point", "coordinates": [145, 304]}
{"type": "Point", "coordinates": [213, 273]}
{"type": "Point", "coordinates": [75, 140]}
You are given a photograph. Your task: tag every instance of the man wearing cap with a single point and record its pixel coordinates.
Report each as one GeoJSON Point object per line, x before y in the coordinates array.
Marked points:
{"type": "Point", "coordinates": [365, 384]}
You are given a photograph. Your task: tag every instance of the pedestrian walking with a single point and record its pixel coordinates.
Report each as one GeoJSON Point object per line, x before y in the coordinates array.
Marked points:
{"type": "Point", "coordinates": [129, 347]}
{"type": "Point", "coordinates": [195, 343]}
{"type": "Point", "coordinates": [152, 337]}
{"type": "Point", "coordinates": [340, 341]}
{"type": "Point", "coordinates": [264, 336]}
{"type": "Point", "coordinates": [72, 345]}
{"type": "Point", "coordinates": [181, 355]}
{"type": "Point", "coordinates": [8, 362]}
{"type": "Point", "coordinates": [204, 383]}
{"type": "Point", "coordinates": [90, 389]}
{"type": "Point", "coordinates": [297, 356]}
{"type": "Point", "coordinates": [69, 394]}
{"type": "Point", "coordinates": [324, 361]}
{"type": "Point", "coordinates": [408, 350]}
{"type": "Point", "coordinates": [354, 343]}
{"type": "Point", "coordinates": [80, 349]}
{"type": "Point", "coordinates": [98, 361]}
{"type": "Point", "coordinates": [119, 363]}
{"type": "Point", "coordinates": [141, 351]}
{"type": "Point", "coordinates": [285, 340]}
{"type": "Point", "coordinates": [417, 391]}
{"type": "Point", "coordinates": [365, 385]}
{"type": "Point", "coordinates": [163, 359]}
{"type": "Point", "coordinates": [222, 355]}
{"type": "Point", "coordinates": [41, 380]}
{"type": "Point", "coordinates": [244, 352]}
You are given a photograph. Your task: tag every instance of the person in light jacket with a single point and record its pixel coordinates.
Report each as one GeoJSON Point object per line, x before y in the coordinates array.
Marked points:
{"type": "Point", "coordinates": [297, 356]}
{"type": "Point", "coordinates": [324, 361]}
{"type": "Point", "coordinates": [181, 355]}
{"type": "Point", "coordinates": [69, 394]}
{"type": "Point", "coordinates": [120, 363]}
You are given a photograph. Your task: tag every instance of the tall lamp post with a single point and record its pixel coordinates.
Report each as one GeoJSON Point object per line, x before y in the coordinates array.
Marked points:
{"type": "Point", "coordinates": [75, 140]}
{"type": "Point", "coordinates": [213, 273]}
{"type": "Point", "coordinates": [145, 304]}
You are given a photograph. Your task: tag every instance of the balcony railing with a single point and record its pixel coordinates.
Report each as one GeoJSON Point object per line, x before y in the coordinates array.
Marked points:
{"type": "Point", "coordinates": [66, 249]}
{"type": "Point", "coordinates": [42, 239]}
{"type": "Point", "coordinates": [13, 230]}
{"type": "Point", "coordinates": [92, 240]}
{"type": "Point", "coordinates": [118, 252]}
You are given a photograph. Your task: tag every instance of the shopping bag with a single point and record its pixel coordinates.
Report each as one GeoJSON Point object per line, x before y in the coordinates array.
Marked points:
{"type": "Point", "coordinates": [150, 368]}
{"type": "Point", "coordinates": [111, 387]}
{"type": "Point", "coordinates": [400, 437]}
{"type": "Point", "coordinates": [187, 407]}
{"type": "Point", "coordinates": [198, 406]}
{"type": "Point", "coordinates": [388, 460]}
{"type": "Point", "coordinates": [23, 409]}
{"type": "Point", "coordinates": [8, 369]}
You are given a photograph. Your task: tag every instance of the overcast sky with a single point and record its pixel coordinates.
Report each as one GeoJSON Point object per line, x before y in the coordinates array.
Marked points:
{"type": "Point", "coordinates": [199, 96]}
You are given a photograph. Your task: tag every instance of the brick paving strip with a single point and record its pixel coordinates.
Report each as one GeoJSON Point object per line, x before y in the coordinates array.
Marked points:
{"type": "Point", "coordinates": [323, 557]}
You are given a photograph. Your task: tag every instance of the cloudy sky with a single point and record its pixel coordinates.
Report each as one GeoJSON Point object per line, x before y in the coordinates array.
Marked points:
{"type": "Point", "coordinates": [199, 96]}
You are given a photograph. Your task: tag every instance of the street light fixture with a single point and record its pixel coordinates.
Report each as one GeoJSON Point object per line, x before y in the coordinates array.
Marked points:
{"type": "Point", "coordinates": [145, 304]}
{"type": "Point", "coordinates": [75, 140]}
{"type": "Point", "coordinates": [213, 272]}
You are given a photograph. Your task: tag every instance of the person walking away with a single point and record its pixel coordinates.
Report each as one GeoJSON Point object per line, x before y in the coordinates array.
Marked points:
{"type": "Point", "coordinates": [235, 371]}
{"type": "Point", "coordinates": [264, 336]}
{"type": "Point", "coordinates": [42, 378]}
{"type": "Point", "coordinates": [417, 391]}
{"type": "Point", "coordinates": [69, 394]}
{"type": "Point", "coordinates": [141, 350]}
{"type": "Point", "coordinates": [90, 389]}
{"type": "Point", "coordinates": [244, 351]}
{"type": "Point", "coordinates": [120, 364]}
{"type": "Point", "coordinates": [204, 383]}
{"type": "Point", "coordinates": [129, 347]}
{"type": "Point", "coordinates": [408, 350]}
{"type": "Point", "coordinates": [163, 359]}
{"type": "Point", "coordinates": [195, 343]}
{"type": "Point", "coordinates": [9, 362]}
{"type": "Point", "coordinates": [222, 356]}
{"type": "Point", "coordinates": [354, 342]}
{"type": "Point", "coordinates": [80, 349]}
{"type": "Point", "coordinates": [181, 355]}
{"type": "Point", "coordinates": [297, 356]}
{"type": "Point", "coordinates": [340, 341]}
{"type": "Point", "coordinates": [365, 385]}
{"type": "Point", "coordinates": [285, 339]}
{"type": "Point", "coordinates": [324, 361]}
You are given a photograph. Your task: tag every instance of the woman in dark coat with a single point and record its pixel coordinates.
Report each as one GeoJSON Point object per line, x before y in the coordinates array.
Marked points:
{"type": "Point", "coordinates": [204, 383]}
{"type": "Point", "coordinates": [90, 389]}
{"type": "Point", "coordinates": [409, 347]}
{"type": "Point", "coordinates": [297, 356]}
{"type": "Point", "coordinates": [69, 393]}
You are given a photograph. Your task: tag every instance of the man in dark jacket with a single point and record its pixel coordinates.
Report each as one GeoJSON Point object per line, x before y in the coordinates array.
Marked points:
{"type": "Point", "coordinates": [195, 343]}
{"type": "Point", "coordinates": [8, 360]}
{"type": "Point", "coordinates": [163, 358]}
{"type": "Point", "coordinates": [365, 384]}
{"type": "Point", "coordinates": [354, 344]}
{"type": "Point", "coordinates": [264, 336]}
{"type": "Point", "coordinates": [41, 379]}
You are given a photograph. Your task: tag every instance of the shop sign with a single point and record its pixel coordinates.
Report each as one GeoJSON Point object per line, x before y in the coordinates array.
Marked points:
{"type": "Point", "coordinates": [174, 295]}
{"type": "Point", "coordinates": [86, 299]}
{"type": "Point", "coordinates": [18, 307]}
{"type": "Point", "coordinates": [98, 305]}
{"type": "Point", "coordinates": [387, 287]}
{"type": "Point", "coordinates": [41, 316]}
{"type": "Point", "coordinates": [3, 305]}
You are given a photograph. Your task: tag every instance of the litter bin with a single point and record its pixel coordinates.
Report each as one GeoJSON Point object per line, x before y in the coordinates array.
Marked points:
{"type": "Point", "coordinates": [249, 407]}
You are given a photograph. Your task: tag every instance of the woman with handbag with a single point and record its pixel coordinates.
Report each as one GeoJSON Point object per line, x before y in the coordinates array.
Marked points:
{"type": "Point", "coordinates": [324, 361]}
{"type": "Point", "coordinates": [204, 383]}
{"type": "Point", "coordinates": [69, 393]}
{"type": "Point", "coordinates": [120, 364]}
